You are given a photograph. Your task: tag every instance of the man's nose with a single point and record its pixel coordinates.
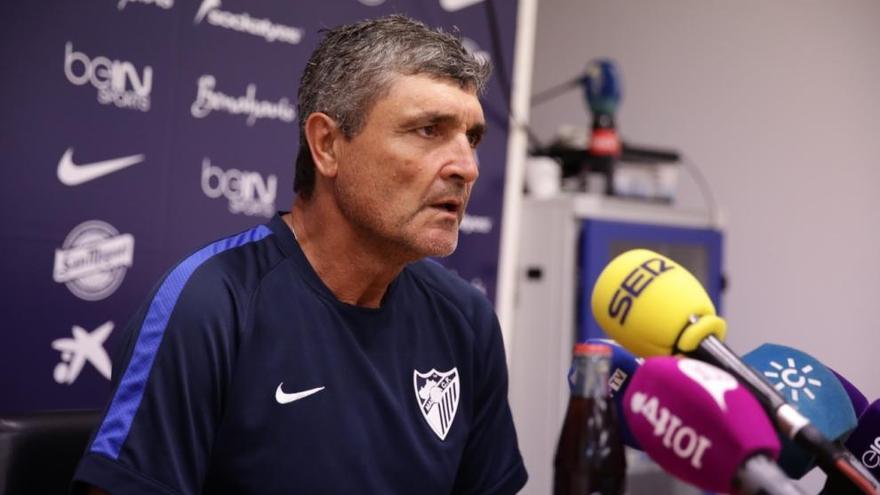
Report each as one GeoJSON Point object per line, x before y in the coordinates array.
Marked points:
{"type": "Point", "coordinates": [463, 161]}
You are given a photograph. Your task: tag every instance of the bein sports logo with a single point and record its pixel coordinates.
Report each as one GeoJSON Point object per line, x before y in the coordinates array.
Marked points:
{"type": "Point", "coordinates": [246, 191]}
{"type": "Point", "coordinates": [244, 23]}
{"type": "Point", "coordinates": [117, 82]}
{"type": "Point", "coordinates": [84, 347]}
{"type": "Point", "coordinates": [208, 100]}
{"type": "Point", "coordinates": [93, 260]}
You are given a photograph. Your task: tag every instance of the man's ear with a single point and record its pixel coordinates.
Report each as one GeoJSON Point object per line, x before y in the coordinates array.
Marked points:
{"type": "Point", "coordinates": [321, 132]}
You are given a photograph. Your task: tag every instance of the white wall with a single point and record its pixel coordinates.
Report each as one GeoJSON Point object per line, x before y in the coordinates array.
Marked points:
{"type": "Point", "coordinates": [778, 102]}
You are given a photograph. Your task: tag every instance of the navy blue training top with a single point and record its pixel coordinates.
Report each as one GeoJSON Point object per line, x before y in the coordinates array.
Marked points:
{"type": "Point", "coordinates": [244, 374]}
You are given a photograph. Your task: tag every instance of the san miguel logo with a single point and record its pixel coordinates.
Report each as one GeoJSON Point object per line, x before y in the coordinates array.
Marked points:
{"type": "Point", "coordinates": [93, 260]}
{"type": "Point", "coordinates": [437, 394]}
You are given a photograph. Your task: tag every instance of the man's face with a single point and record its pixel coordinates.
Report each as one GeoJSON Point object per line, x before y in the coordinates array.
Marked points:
{"type": "Point", "coordinates": [403, 181]}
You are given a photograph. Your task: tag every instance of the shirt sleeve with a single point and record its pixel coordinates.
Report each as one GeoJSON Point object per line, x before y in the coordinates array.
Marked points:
{"type": "Point", "coordinates": [491, 464]}
{"type": "Point", "coordinates": [157, 432]}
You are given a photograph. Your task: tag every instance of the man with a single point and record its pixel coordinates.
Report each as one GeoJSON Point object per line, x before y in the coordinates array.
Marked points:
{"type": "Point", "coordinates": [319, 353]}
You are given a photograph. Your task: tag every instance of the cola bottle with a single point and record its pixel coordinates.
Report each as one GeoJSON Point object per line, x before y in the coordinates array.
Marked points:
{"type": "Point", "coordinates": [590, 457]}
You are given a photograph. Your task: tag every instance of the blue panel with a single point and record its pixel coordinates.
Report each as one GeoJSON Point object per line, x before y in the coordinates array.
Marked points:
{"type": "Point", "coordinates": [602, 240]}
{"type": "Point", "coordinates": [197, 99]}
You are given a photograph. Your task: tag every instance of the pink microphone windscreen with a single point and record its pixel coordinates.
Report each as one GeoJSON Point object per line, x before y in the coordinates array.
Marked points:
{"type": "Point", "coordinates": [696, 421]}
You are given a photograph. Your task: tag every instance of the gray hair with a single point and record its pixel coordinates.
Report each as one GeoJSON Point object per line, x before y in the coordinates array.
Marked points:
{"type": "Point", "coordinates": [355, 64]}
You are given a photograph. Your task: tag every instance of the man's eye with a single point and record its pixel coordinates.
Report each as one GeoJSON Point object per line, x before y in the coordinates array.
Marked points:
{"type": "Point", "coordinates": [474, 138]}
{"type": "Point", "coordinates": [427, 131]}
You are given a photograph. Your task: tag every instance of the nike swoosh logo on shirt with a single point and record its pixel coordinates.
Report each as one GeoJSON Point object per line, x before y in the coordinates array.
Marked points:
{"type": "Point", "coordinates": [71, 174]}
{"type": "Point", "coordinates": [284, 398]}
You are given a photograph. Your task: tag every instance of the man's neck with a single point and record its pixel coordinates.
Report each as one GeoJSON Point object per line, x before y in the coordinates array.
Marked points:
{"type": "Point", "coordinates": [354, 273]}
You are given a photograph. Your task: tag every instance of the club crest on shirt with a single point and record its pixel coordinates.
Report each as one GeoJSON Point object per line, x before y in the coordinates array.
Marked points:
{"type": "Point", "coordinates": [437, 396]}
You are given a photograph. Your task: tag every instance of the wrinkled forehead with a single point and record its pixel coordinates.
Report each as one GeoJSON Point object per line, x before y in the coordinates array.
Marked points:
{"type": "Point", "coordinates": [426, 93]}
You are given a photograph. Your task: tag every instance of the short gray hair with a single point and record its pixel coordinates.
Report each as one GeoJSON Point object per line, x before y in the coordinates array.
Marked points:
{"type": "Point", "coordinates": [355, 64]}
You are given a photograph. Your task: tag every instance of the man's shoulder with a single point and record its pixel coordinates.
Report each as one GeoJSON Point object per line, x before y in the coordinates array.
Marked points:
{"type": "Point", "coordinates": [210, 289]}
{"type": "Point", "coordinates": [238, 261]}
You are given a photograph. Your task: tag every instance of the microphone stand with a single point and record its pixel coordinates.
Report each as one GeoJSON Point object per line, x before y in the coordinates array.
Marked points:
{"type": "Point", "coordinates": [759, 475]}
{"type": "Point", "coordinates": [830, 457]}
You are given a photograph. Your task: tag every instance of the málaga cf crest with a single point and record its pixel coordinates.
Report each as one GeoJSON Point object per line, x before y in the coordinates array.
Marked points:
{"type": "Point", "coordinates": [437, 395]}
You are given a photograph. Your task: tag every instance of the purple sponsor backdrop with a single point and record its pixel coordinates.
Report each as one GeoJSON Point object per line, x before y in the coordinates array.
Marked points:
{"type": "Point", "coordinates": [134, 131]}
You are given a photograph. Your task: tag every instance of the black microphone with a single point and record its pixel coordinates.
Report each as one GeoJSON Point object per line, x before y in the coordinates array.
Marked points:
{"type": "Point", "coordinates": [602, 90]}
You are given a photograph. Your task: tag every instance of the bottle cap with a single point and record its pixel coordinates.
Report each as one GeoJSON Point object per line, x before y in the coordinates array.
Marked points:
{"type": "Point", "coordinates": [591, 349]}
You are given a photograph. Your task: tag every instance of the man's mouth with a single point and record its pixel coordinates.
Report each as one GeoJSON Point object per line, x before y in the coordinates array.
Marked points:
{"type": "Point", "coordinates": [451, 205]}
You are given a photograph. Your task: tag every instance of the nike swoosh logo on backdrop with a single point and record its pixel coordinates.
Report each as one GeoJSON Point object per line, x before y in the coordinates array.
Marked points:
{"type": "Point", "coordinates": [453, 5]}
{"type": "Point", "coordinates": [284, 398]}
{"type": "Point", "coordinates": [71, 174]}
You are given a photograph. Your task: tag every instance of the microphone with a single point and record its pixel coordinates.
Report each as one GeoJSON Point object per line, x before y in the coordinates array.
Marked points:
{"type": "Point", "coordinates": [864, 443]}
{"type": "Point", "coordinates": [813, 390]}
{"type": "Point", "coordinates": [856, 397]}
{"type": "Point", "coordinates": [622, 368]}
{"type": "Point", "coordinates": [601, 86]}
{"type": "Point", "coordinates": [653, 306]}
{"type": "Point", "coordinates": [699, 424]}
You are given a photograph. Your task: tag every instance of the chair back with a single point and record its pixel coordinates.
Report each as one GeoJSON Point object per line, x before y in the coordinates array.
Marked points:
{"type": "Point", "coordinates": [39, 451]}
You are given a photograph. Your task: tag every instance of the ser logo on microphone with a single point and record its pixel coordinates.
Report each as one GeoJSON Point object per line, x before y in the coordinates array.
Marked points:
{"type": "Point", "coordinates": [634, 284]}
